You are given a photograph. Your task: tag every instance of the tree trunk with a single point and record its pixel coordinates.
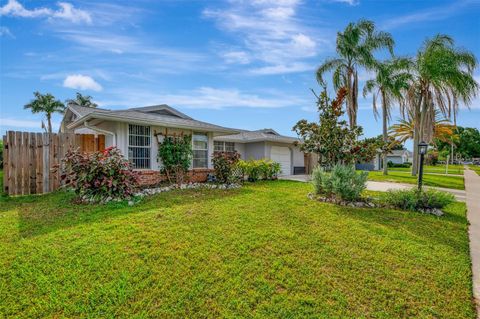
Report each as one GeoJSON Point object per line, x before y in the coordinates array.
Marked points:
{"type": "Point", "coordinates": [350, 98]}
{"type": "Point", "coordinates": [354, 100]}
{"type": "Point", "coordinates": [385, 134]}
{"type": "Point", "coordinates": [49, 122]}
{"type": "Point", "coordinates": [416, 135]}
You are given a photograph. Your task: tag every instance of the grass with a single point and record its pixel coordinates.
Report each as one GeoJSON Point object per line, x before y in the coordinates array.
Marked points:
{"type": "Point", "coordinates": [438, 169]}
{"type": "Point", "coordinates": [263, 251]}
{"type": "Point", "coordinates": [455, 182]}
{"type": "Point", "coordinates": [475, 168]}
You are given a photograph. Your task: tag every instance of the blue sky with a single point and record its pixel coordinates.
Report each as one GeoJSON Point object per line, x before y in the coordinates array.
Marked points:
{"type": "Point", "coordinates": [243, 64]}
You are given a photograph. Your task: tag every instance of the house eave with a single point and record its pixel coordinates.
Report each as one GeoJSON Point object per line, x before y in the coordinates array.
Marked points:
{"type": "Point", "coordinates": [110, 117]}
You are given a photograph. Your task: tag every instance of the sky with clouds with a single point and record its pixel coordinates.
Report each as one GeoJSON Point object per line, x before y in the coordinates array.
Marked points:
{"type": "Point", "coordinates": [241, 63]}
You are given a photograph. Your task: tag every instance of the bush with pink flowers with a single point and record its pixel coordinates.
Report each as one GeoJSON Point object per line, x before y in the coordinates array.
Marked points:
{"type": "Point", "coordinates": [100, 176]}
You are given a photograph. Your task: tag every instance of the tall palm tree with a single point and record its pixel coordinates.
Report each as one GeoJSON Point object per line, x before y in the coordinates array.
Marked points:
{"type": "Point", "coordinates": [45, 103]}
{"type": "Point", "coordinates": [391, 80]}
{"type": "Point", "coordinates": [443, 129]}
{"type": "Point", "coordinates": [82, 100]}
{"type": "Point", "coordinates": [443, 79]}
{"type": "Point", "coordinates": [355, 48]}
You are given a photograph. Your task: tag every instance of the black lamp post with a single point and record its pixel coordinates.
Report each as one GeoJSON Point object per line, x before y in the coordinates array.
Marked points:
{"type": "Point", "coordinates": [422, 150]}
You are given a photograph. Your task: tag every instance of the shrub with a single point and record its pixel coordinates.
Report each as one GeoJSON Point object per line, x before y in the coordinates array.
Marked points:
{"type": "Point", "coordinates": [259, 169]}
{"type": "Point", "coordinates": [100, 176]}
{"type": "Point", "coordinates": [175, 153]}
{"type": "Point", "coordinates": [415, 200]}
{"type": "Point", "coordinates": [224, 164]}
{"type": "Point", "coordinates": [403, 165]}
{"type": "Point", "coordinates": [341, 183]}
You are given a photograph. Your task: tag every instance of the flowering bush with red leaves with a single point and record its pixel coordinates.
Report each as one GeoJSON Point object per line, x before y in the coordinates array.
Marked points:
{"type": "Point", "coordinates": [224, 164]}
{"type": "Point", "coordinates": [100, 176]}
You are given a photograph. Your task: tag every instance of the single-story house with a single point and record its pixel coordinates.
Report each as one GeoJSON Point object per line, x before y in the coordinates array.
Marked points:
{"type": "Point", "coordinates": [136, 132]}
{"type": "Point", "coordinates": [399, 156]}
{"type": "Point", "coordinates": [265, 143]}
{"type": "Point", "coordinates": [395, 156]}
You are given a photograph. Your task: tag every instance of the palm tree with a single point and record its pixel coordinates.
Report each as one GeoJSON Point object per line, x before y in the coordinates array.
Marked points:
{"type": "Point", "coordinates": [391, 80]}
{"type": "Point", "coordinates": [443, 129]}
{"type": "Point", "coordinates": [355, 47]}
{"type": "Point", "coordinates": [82, 100]}
{"type": "Point", "coordinates": [45, 103]}
{"type": "Point", "coordinates": [443, 79]}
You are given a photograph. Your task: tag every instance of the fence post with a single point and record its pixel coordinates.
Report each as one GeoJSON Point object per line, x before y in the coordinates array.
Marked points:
{"type": "Point", "coordinates": [5, 163]}
{"type": "Point", "coordinates": [46, 162]}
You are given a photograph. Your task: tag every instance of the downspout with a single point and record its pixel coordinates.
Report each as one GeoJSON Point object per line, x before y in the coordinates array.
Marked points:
{"type": "Point", "coordinates": [93, 128]}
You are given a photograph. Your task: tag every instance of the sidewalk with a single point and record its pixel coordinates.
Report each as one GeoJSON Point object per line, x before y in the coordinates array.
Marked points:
{"type": "Point", "coordinates": [472, 186]}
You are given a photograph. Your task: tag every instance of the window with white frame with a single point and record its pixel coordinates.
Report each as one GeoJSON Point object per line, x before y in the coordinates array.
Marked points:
{"type": "Point", "coordinates": [223, 146]}
{"type": "Point", "coordinates": [139, 146]}
{"type": "Point", "coordinates": [200, 150]}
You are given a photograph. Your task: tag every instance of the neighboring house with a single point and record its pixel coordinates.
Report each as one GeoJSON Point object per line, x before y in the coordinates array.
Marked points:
{"type": "Point", "coordinates": [136, 133]}
{"type": "Point", "coordinates": [395, 156]}
{"type": "Point", "coordinates": [265, 143]}
{"type": "Point", "coordinates": [399, 156]}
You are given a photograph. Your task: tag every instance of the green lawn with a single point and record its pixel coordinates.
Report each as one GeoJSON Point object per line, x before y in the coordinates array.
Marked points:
{"type": "Point", "coordinates": [475, 168]}
{"type": "Point", "coordinates": [263, 251]}
{"type": "Point", "coordinates": [439, 169]}
{"type": "Point", "coordinates": [446, 181]}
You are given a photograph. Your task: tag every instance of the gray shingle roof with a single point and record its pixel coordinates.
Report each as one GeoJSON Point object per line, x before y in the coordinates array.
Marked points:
{"type": "Point", "coordinates": [146, 115]}
{"type": "Point", "coordinates": [397, 153]}
{"type": "Point", "coordinates": [257, 136]}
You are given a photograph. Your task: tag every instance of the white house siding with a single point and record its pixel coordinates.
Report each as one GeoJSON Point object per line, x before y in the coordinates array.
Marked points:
{"type": "Point", "coordinates": [121, 131]}
{"type": "Point", "coordinates": [240, 148]}
{"type": "Point", "coordinates": [255, 151]}
{"type": "Point", "coordinates": [395, 159]}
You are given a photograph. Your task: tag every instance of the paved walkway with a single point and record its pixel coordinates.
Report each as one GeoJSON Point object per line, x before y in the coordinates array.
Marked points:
{"type": "Point", "coordinates": [460, 195]}
{"type": "Point", "coordinates": [472, 186]}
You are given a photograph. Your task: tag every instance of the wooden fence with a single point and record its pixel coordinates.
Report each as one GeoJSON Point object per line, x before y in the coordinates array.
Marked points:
{"type": "Point", "coordinates": [30, 159]}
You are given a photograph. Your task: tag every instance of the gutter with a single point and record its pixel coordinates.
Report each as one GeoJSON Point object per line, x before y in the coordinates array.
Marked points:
{"type": "Point", "coordinates": [93, 128]}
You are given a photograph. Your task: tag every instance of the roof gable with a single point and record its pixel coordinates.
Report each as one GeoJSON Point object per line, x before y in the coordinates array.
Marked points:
{"type": "Point", "coordinates": [161, 109]}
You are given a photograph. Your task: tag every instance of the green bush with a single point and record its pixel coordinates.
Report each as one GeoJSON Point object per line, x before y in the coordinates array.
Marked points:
{"type": "Point", "coordinates": [415, 200]}
{"type": "Point", "coordinates": [175, 154]}
{"type": "Point", "coordinates": [259, 169]}
{"type": "Point", "coordinates": [403, 165]}
{"type": "Point", "coordinates": [224, 164]}
{"type": "Point", "coordinates": [341, 183]}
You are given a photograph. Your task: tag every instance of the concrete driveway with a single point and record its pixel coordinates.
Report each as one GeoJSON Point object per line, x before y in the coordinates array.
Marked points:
{"type": "Point", "coordinates": [460, 195]}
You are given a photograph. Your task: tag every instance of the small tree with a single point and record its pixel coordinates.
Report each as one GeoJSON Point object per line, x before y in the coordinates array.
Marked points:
{"type": "Point", "coordinates": [176, 155]}
{"type": "Point", "coordinates": [331, 138]}
{"type": "Point", "coordinates": [224, 164]}
{"type": "Point", "coordinates": [45, 103]}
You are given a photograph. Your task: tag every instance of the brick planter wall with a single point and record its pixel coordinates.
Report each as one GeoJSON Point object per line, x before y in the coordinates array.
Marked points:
{"type": "Point", "coordinates": [151, 177]}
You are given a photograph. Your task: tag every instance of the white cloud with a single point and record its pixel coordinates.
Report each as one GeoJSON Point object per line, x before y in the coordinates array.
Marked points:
{"type": "Point", "coordinates": [240, 57]}
{"type": "Point", "coordinates": [81, 82]}
{"type": "Point", "coordinates": [269, 32]}
{"type": "Point", "coordinates": [205, 98]}
{"type": "Point", "coordinates": [14, 8]}
{"type": "Point", "coordinates": [432, 14]}
{"type": "Point", "coordinates": [283, 68]}
{"type": "Point", "coordinates": [350, 2]}
{"type": "Point", "coordinates": [5, 32]}
{"type": "Point", "coordinates": [66, 11]}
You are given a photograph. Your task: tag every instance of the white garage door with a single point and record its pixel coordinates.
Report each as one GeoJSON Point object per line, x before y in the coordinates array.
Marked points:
{"type": "Point", "coordinates": [281, 155]}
